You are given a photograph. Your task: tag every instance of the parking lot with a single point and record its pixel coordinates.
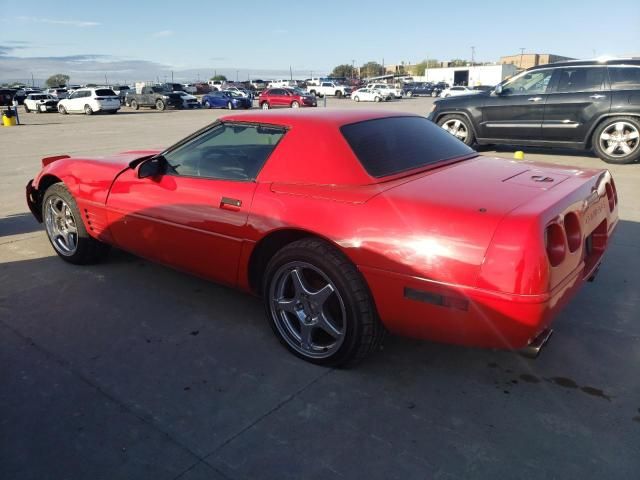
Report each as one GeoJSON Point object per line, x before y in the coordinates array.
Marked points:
{"type": "Point", "coordinates": [128, 369]}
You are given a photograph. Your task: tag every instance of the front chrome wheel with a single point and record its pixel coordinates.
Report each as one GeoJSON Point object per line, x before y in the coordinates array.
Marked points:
{"type": "Point", "coordinates": [308, 310]}
{"type": "Point", "coordinates": [61, 225]}
{"type": "Point", "coordinates": [620, 139]}
{"type": "Point", "coordinates": [457, 128]}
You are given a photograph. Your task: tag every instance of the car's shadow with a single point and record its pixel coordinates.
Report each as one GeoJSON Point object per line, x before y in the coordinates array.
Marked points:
{"type": "Point", "coordinates": [17, 224]}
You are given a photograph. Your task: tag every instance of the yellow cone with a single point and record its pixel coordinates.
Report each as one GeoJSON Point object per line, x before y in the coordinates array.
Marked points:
{"type": "Point", "coordinates": [519, 155]}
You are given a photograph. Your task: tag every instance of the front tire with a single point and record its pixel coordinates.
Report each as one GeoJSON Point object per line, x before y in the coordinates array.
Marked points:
{"type": "Point", "coordinates": [26, 109]}
{"type": "Point", "coordinates": [160, 105]}
{"type": "Point", "coordinates": [88, 110]}
{"type": "Point", "coordinates": [616, 140]}
{"type": "Point", "coordinates": [295, 104]}
{"type": "Point", "coordinates": [459, 127]}
{"type": "Point", "coordinates": [229, 106]}
{"type": "Point", "coordinates": [66, 231]}
{"type": "Point", "coordinates": [206, 104]}
{"type": "Point", "coordinates": [319, 305]}
{"type": "Point", "coordinates": [409, 94]}
{"type": "Point", "coordinates": [265, 106]}
{"type": "Point", "coordinates": [134, 105]}
{"type": "Point", "coordinates": [62, 110]}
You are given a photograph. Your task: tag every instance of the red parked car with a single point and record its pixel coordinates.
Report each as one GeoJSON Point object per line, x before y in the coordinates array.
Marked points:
{"type": "Point", "coordinates": [286, 97]}
{"type": "Point", "coordinates": [388, 222]}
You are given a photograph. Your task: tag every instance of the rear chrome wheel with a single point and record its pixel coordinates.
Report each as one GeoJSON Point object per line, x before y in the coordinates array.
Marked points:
{"type": "Point", "coordinates": [618, 140]}
{"type": "Point", "coordinates": [60, 224]}
{"type": "Point", "coordinates": [308, 310]}
{"type": "Point", "coordinates": [319, 305]}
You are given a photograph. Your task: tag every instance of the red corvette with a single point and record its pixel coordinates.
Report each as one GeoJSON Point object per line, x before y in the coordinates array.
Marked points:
{"type": "Point", "coordinates": [347, 223]}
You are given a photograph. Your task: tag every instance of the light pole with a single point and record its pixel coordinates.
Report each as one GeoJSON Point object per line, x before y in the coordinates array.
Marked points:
{"type": "Point", "coordinates": [521, 54]}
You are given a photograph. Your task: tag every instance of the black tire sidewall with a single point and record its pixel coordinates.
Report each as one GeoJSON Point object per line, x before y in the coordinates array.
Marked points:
{"type": "Point", "coordinates": [595, 142]}
{"type": "Point", "coordinates": [470, 140]}
{"type": "Point", "coordinates": [303, 251]}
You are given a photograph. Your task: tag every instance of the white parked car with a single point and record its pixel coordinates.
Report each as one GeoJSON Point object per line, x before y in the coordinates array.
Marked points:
{"type": "Point", "coordinates": [387, 89]}
{"type": "Point", "coordinates": [188, 100]}
{"type": "Point", "coordinates": [368, 95]}
{"type": "Point", "coordinates": [240, 91]}
{"type": "Point", "coordinates": [90, 100]}
{"type": "Point", "coordinates": [59, 93]}
{"type": "Point", "coordinates": [40, 102]}
{"type": "Point", "coordinates": [458, 90]}
{"type": "Point", "coordinates": [189, 88]}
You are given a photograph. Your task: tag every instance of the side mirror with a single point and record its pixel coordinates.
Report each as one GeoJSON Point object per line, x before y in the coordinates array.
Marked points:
{"type": "Point", "coordinates": [151, 168]}
{"type": "Point", "coordinates": [498, 90]}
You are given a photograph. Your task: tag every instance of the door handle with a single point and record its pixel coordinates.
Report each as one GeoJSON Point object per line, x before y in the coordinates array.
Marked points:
{"type": "Point", "coordinates": [230, 203]}
{"type": "Point", "coordinates": [597, 96]}
{"type": "Point", "coordinates": [535, 99]}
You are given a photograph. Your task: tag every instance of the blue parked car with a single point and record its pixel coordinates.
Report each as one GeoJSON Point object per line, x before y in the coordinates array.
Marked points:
{"type": "Point", "coordinates": [225, 100]}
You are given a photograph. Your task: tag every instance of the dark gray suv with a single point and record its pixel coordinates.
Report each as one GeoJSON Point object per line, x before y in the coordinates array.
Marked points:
{"type": "Point", "coordinates": [581, 104]}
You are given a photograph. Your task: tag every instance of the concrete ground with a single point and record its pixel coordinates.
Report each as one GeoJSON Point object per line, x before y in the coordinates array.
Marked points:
{"type": "Point", "coordinates": [129, 370]}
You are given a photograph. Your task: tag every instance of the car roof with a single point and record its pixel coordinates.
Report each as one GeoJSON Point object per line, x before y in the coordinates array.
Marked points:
{"type": "Point", "coordinates": [588, 62]}
{"type": "Point", "coordinates": [304, 118]}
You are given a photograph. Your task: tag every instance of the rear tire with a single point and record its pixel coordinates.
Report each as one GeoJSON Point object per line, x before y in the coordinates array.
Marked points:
{"type": "Point", "coordinates": [65, 229]}
{"type": "Point", "coordinates": [342, 327]}
{"type": "Point", "coordinates": [459, 127]}
{"type": "Point", "coordinates": [616, 140]}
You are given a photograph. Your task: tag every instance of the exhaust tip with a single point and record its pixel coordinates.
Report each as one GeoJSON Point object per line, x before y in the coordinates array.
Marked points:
{"type": "Point", "coordinates": [533, 349]}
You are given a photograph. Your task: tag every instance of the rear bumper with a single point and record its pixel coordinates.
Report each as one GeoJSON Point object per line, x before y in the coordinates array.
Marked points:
{"type": "Point", "coordinates": [425, 309]}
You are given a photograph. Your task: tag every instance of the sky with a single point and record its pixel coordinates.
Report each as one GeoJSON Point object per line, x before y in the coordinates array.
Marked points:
{"type": "Point", "coordinates": [131, 41]}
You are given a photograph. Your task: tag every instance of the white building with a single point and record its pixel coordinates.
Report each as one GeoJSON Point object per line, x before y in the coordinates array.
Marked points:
{"type": "Point", "coordinates": [470, 76]}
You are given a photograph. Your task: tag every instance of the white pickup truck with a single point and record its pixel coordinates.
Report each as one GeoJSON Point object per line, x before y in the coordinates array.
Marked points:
{"type": "Point", "coordinates": [330, 89]}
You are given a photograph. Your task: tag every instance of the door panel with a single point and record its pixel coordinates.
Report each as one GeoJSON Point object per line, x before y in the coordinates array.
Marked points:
{"type": "Point", "coordinates": [517, 113]}
{"type": "Point", "coordinates": [182, 221]}
{"type": "Point", "coordinates": [577, 99]}
{"type": "Point", "coordinates": [513, 117]}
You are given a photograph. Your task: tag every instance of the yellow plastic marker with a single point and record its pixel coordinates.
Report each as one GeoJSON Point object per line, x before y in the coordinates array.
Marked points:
{"type": "Point", "coordinates": [519, 155]}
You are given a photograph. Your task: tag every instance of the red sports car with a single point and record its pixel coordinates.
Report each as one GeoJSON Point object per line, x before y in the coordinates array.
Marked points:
{"type": "Point", "coordinates": [286, 97]}
{"type": "Point", "coordinates": [347, 223]}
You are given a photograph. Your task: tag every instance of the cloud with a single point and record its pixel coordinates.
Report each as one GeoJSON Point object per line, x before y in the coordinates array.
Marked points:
{"type": "Point", "coordinates": [162, 33]}
{"type": "Point", "coordinates": [52, 21]}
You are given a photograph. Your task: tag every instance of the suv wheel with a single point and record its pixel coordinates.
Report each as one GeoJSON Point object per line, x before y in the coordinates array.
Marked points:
{"type": "Point", "coordinates": [459, 127]}
{"type": "Point", "coordinates": [616, 140]}
{"type": "Point", "coordinates": [160, 105]}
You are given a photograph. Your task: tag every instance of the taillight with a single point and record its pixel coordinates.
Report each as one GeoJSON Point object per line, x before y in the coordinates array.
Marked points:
{"type": "Point", "coordinates": [555, 244]}
{"type": "Point", "coordinates": [573, 231]}
{"type": "Point", "coordinates": [610, 196]}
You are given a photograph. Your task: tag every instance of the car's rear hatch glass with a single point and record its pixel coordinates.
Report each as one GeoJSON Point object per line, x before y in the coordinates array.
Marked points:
{"type": "Point", "coordinates": [387, 146]}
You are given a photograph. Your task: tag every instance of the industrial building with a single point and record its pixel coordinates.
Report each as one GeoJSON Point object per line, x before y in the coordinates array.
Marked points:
{"type": "Point", "coordinates": [528, 60]}
{"type": "Point", "coordinates": [470, 75]}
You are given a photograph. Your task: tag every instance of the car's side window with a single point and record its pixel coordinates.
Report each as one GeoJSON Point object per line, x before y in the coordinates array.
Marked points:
{"type": "Point", "coordinates": [580, 79]}
{"type": "Point", "coordinates": [229, 151]}
{"type": "Point", "coordinates": [624, 78]}
{"type": "Point", "coordinates": [529, 83]}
